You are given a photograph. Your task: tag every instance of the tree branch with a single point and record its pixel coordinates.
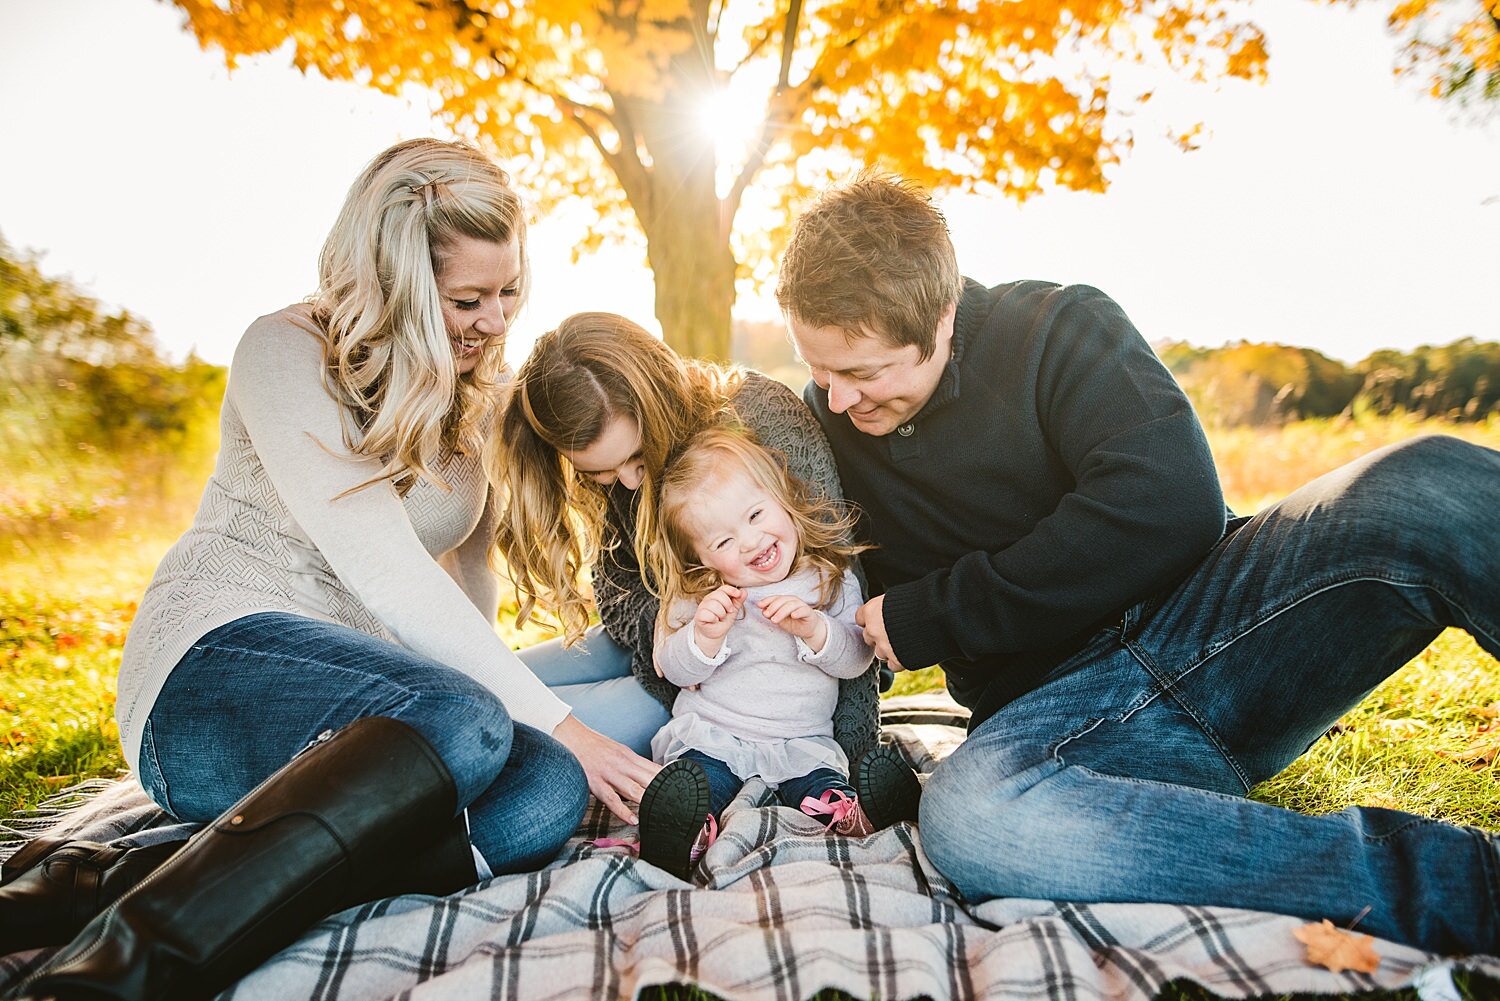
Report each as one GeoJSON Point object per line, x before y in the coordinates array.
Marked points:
{"type": "Point", "coordinates": [635, 178]}
{"type": "Point", "coordinates": [784, 108]}
{"type": "Point", "coordinates": [624, 161]}
{"type": "Point", "coordinates": [788, 43]}
{"type": "Point", "coordinates": [714, 19]}
{"type": "Point", "coordinates": [755, 50]}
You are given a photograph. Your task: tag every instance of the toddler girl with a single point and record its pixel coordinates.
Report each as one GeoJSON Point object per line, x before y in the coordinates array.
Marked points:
{"type": "Point", "coordinates": [756, 626]}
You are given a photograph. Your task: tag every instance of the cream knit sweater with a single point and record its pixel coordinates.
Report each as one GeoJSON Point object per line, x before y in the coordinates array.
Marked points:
{"type": "Point", "coordinates": [269, 535]}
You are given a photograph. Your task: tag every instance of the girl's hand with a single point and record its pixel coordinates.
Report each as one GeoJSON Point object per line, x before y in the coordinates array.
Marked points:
{"type": "Point", "coordinates": [793, 615]}
{"type": "Point", "coordinates": [616, 774]}
{"type": "Point", "coordinates": [716, 613]}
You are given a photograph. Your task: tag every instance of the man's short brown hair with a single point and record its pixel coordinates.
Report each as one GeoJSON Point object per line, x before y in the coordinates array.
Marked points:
{"type": "Point", "coordinates": [872, 257]}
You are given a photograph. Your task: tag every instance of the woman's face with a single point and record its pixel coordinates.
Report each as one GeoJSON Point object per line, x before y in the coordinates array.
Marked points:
{"type": "Point", "coordinates": [479, 283]}
{"type": "Point", "coordinates": [614, 456]}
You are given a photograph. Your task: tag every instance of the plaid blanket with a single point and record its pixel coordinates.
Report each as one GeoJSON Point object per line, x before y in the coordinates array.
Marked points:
{"type": "Point", "coordinates": [780, 911]}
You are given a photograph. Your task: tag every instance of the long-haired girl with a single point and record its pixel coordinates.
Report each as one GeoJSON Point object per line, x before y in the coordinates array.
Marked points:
{"type": "Point", "coordinates": [756, 624]}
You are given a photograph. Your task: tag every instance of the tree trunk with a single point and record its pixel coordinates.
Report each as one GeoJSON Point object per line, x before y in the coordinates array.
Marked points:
{"type": "Point", "coordinates": [694, 270]}
{"type": "Point", "coordinates": [687, 234]}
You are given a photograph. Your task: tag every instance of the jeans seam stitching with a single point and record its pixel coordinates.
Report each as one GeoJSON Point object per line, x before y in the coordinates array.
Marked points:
{"type": "Point", "coordinates": [1213, 650]}
{"type": "Point", "coordinates": [148, 744]}
{"type": "Point", "coordinates": [1166, 687]}
{"type": "Point", "coordinates": [1134, 780]}
{"type": "Point", "coordinates": [292, 659]}
{"type": "Point", "coordinates": [1489, 856]}
{"type": "Point", "coordinates": [1412, 821]}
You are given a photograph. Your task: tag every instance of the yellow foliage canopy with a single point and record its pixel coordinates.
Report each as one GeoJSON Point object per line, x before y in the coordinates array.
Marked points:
{"type": "Point", "coordinates": [1456, 43]}
{"type": "Point", "coordinates": [602, 98]}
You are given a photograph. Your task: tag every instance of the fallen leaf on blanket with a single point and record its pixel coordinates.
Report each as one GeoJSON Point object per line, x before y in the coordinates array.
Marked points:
{"type": "Point", "coordinates": [1336, 949]}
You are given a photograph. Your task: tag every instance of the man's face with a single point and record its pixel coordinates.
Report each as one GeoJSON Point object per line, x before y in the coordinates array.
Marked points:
{"type": "Point", "coordinates": [880, 387]}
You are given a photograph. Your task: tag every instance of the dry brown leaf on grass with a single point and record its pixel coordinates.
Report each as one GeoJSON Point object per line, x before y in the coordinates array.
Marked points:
{"type": "Point", "coordinates": [1336, 949]}
{"type": "Point", "coordinates": [1480, 751]}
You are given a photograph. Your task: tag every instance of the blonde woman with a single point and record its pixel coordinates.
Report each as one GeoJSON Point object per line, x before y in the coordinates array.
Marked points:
{"type": "Point", "coordinates": [332, 607]}
{"type": "Point", "coordinates": [594, 413]}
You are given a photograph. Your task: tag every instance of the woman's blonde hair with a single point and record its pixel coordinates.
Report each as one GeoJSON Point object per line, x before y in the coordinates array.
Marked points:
{"type": "Point", "coordinates": [824, 527]}
{"type": "Point", "coordinates": [389, 361]}
{"type": "Point", "coordinates": [592, 368]}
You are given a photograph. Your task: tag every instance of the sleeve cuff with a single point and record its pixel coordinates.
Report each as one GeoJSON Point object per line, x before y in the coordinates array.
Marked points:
{"type": "Point", "coordinates": [698, 653]}
{"type": "Point", "coordinates": [805, 653]}
{"type": "Point", "coordinates": [915, 629]}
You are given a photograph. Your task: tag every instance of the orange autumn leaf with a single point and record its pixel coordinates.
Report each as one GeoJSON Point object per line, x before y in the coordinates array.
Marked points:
{"type": "Point", "coordinates": [1455, 47]}
{"type": "Point", "coordinates": [1337, 949]}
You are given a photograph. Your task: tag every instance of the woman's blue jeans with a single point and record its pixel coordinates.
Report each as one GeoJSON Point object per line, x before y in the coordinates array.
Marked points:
{"type": "Point", "coordinates": [1123, 777]}
{"type": "Point", "coordinates": [251, 694]}
{"type": "Point", "coordinates": [593, 677]}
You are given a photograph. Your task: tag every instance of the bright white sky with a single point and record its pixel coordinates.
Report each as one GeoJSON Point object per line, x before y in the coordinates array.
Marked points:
{"type": "Point", "coordinates": [1335, 207]}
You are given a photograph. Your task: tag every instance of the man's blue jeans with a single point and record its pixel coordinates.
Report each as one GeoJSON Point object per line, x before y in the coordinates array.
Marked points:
{"type": "Point", "coordinates": [1122, 778]}
{"type": "Point", "coordinates": [251, 694]}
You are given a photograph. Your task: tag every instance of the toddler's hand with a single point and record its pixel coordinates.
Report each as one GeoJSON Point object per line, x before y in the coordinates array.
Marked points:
{"type": "Point", "coordinates": [716, 613]}
{"type": "Point", "coordinates": [792, 614]}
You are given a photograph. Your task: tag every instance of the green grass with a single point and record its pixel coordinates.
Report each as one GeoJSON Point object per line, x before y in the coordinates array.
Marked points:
{"type": "Point", "coordinates": [73, 565]}
{"type": "Point", "coordinates": [63, 618]}
{"type": "Point", "coordinates": [1425, 741]}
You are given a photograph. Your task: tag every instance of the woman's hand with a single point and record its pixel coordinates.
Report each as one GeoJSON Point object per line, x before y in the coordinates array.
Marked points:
{"type": "Point", "coordinates": [616, 774]}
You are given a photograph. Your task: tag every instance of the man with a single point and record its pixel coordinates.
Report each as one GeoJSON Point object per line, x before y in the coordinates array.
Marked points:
{"type": "Point", "coordinates": [1051, 530]}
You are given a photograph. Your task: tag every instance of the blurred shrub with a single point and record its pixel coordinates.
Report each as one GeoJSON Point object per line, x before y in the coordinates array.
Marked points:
{"type": "Point", "coordinates": [92, 415]}
{"type": "Point", "coordinates": [1269, 384]}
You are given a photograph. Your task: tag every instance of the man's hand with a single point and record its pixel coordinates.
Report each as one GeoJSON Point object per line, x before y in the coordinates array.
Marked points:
{"type": "Point", "coordinates": [793, 615]}
{"type": "Point", "coordinates": [616, 774]}
{"type": "Point", "coordinates": [716, 613]}
{"type": "Point", "coordinates": [871, 615]}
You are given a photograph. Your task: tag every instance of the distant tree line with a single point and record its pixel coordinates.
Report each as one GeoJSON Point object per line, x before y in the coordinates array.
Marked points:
{"type": "Point", "coordinates": [78, 375]}
{"type": "Point", "coordinates": [94, 377]}
{"type": "Point", "coordinates": [1249, 383]}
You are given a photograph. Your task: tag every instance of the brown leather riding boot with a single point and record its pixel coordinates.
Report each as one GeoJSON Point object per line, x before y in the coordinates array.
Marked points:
{"type": "Point", "coordinates": [324, 832]}
{"type": "Point", "coordinates": [51, 889]}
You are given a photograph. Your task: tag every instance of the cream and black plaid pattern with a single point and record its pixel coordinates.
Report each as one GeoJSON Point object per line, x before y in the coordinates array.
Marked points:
{"type": "Point", "coordinates": [778, 912]}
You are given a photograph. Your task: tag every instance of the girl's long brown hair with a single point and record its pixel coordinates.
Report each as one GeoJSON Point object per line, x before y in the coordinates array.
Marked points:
{"type": "Point", "coordinates": [824, 527]}
{"type": "Point", "coordinates": [592, 368]}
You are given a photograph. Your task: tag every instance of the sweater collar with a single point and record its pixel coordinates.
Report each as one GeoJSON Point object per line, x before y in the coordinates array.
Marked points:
{"type": "Point", "coordinates": [965, 321]}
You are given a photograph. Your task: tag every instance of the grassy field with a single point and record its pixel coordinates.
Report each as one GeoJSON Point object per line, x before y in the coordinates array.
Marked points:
{"type": "Point", "coordinates": [80, 538]}
{"type": "Point", "coordinates": [77, 547]}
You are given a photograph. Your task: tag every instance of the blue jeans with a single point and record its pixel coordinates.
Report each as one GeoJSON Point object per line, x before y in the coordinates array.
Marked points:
{"type": "Point", "coordinates": [253, 693]}
{"type": "Point", "coordinates": [724, 784]}
{"type": "Point", "coordinates": [1122, 778]}
{"type": "Point", "coordinates": [593, 678]}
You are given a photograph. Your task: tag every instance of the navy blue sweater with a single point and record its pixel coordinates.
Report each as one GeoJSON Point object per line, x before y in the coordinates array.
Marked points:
{"type": "Point", "coordinates": [1057, 476]}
